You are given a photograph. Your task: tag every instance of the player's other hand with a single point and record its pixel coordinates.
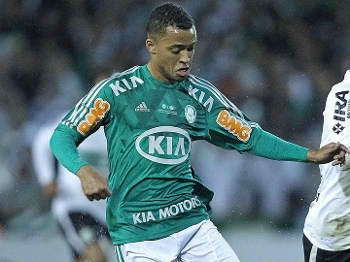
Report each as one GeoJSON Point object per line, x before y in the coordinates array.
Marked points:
{"type": "Point", "coordinates": [95, 187]}
{"type": "Point", "coordinates": [50, 190]}
{"type": "Point", "coordinates": [332, 152]}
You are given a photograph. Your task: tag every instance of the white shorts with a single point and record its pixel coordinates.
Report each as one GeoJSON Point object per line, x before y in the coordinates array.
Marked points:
{"type": "Point", "coordinates": [200, 242]}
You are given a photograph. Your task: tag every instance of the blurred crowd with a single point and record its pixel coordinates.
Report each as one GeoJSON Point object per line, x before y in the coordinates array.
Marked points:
{"type": "Point", "coordinates": [275, 59]}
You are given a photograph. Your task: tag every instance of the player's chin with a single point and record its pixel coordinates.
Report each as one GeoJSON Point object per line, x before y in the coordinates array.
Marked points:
{"type": "Point", "coordinates": [180, 77]}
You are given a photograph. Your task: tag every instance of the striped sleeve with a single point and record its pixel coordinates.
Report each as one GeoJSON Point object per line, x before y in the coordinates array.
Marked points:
{"type": "Point", "coordinates": [80, 122]}
{"type": "Point", "coordinates": [89, 111]}
{"type": "Point", "coordinates": [230, 128]}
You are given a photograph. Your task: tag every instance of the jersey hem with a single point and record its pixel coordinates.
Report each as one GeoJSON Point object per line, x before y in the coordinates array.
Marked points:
{"type": "Point", "coordinates": [159, 235]}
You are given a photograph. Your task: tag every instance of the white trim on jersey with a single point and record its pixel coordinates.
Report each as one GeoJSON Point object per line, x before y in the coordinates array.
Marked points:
{"type": "Point", "coordinates": [79, 110]}
{"type": "Point", "coordinates": [224, 100]}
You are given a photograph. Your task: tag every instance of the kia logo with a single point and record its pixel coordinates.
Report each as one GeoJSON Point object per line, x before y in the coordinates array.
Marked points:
{"type": "Point", "coordinates": [164, 144]}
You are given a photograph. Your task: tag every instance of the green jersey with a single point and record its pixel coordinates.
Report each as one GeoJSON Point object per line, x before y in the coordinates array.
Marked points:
{"type": "Point", "coordinates": [149, 126]}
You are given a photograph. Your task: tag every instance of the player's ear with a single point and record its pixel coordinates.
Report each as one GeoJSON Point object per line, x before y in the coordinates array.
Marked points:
{"type": "Point", "coordinates": [151, 46]}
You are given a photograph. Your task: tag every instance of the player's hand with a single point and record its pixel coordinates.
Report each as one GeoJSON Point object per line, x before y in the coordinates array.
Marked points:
{"type": "Point", "coordinates": [332, 152]}
{"type": "Point", "coordinates": [95, 187]}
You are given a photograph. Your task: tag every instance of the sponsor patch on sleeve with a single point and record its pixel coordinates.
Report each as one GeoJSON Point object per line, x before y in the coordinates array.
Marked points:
{"type": "Point", "coordinates": [233, 125]}
{"type": "Point", "coordinates": [97, 112]}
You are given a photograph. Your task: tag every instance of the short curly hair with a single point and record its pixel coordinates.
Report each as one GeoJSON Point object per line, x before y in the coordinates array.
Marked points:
{"type": "Point", "coordinates": [168, 14]}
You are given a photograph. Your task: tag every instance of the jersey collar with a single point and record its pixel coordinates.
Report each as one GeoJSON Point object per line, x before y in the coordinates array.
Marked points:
{"type": "Point", "coordinates": [159, 83]}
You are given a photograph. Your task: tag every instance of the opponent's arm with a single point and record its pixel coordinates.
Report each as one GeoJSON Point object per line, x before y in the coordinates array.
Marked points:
{"type": "Point", "coordinates": [44, 161]}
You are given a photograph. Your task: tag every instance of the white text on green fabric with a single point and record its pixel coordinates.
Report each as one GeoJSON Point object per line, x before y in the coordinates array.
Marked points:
{"type": "Point", "coordinates": [170, 211]}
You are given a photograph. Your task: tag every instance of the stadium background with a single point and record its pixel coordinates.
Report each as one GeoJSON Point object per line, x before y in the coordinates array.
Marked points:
{"type": "Point", "coordinates": [275, 59]}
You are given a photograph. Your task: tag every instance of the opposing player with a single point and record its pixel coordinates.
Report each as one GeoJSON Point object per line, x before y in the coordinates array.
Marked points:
{"type": "Point", "coordinates": [157, 208]}
{"type": "Point", "coordinates": [83, 223]}
{"type": "Point", "coordinates": [327, 225]}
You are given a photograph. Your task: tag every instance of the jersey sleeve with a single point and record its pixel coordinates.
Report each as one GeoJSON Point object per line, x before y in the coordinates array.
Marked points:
{"type": "Point", "coordinates": [85, 118]}
{"type": "Point", "coordinates": [230, 128]}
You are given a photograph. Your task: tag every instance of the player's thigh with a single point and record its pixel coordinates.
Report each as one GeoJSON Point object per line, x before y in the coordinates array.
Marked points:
{"type": "Point", "coordinates": [165, 249]}
{"type": "Point", "coordinates": [208, 245]}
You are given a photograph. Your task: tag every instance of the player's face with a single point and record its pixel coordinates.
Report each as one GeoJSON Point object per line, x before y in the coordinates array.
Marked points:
{"type": "Point", "coordinates": [172, 54]}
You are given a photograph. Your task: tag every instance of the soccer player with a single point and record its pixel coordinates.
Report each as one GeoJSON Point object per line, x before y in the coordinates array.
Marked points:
{"type": "Point", "coordinates": [327, 224]}
{"type": "Point", "coordinates": [82, 223]}
{"type": "Point", "coordinates": [157, 208]}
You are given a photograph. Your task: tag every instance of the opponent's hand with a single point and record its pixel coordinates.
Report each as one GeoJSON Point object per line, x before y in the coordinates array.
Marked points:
{"type": "Point", "coordinates": [332, 152]}
{"type": "Point", "coordinates": [95, 187]}
{"type": "Point", "coordinates": [50, 190]}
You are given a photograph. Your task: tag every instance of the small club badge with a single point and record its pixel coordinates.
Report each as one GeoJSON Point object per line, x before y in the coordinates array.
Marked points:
{"type": "Point", "coordinates": [190, 113]}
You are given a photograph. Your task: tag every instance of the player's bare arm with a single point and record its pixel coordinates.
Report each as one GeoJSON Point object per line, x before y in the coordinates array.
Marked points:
{"type": "Point", "coordinates": [95, 187]}
{"type": "Point", "coordinates": [332, 152]}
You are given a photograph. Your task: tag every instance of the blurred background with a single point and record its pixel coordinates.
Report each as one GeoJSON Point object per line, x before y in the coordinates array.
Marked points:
{"type": "Point", "coordinates": [275, 59]}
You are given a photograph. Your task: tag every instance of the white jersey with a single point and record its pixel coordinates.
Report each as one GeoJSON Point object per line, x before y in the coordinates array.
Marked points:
{"type": "Point", "coordinates": [70, 196]}
{"type": "Point", "coordinates": [327, 224]}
